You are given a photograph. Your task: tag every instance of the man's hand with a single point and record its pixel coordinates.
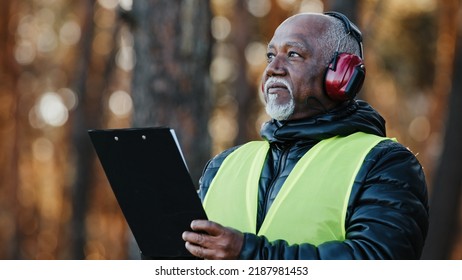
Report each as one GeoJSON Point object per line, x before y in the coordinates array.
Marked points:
{"type": "Point", "coordinates": [213, 241]}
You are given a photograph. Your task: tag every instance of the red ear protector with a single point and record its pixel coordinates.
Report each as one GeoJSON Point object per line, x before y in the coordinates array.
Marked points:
{"type": "Point", "coordinates": [345, 73]}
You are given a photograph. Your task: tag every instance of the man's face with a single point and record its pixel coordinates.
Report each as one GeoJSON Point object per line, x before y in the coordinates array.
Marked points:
{"type": "Point", "coordinates": [292, 80]}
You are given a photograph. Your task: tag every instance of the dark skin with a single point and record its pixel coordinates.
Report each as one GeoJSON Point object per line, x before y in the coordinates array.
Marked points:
{"type": "Point", "coordinates": [293, 55]}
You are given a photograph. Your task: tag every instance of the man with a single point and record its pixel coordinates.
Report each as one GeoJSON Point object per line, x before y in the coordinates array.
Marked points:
{"type": "Point", "coordinates": [325, 183]}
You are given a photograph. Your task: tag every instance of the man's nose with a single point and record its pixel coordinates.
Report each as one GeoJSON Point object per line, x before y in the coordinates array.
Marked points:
{"type": "Point", "coordinates": [276, 67]}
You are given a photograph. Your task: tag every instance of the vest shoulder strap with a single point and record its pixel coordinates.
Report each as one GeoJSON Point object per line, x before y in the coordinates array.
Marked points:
{"type": "Point", "coordinates": [237, 178]}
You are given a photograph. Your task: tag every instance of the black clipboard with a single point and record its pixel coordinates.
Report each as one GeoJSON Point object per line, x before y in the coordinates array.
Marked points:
{"type": "Point", "coordinates": [150, 180]}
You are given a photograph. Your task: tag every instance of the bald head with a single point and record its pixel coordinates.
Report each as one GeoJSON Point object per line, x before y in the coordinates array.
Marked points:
{"type": "Point", "coordinates": [327, 30]}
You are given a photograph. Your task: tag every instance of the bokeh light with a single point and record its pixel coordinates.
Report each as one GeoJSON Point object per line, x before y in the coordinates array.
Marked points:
{"type": "Point", "coordinates": [255, 54]}
{"type": "Point", "coordinates": [222, 69]}
{"type": "Point", "coordinates": [51, 109]}
{"type": "Point", "coordinates": [47, 39]}
{"type": "Point", "coordinates": [109, 4]}
{"type": "Point", "coordinates": [24, 52]}
{"type": "Point", "coordinates": [69, 98]}
{"type": "Point", "coordinates": [126, 4]}
{"type": "Point", "coordinates": [259, 8]}
{"type": "Point", "coordinates": [42, 149]}
{"type": "Point", "coordinates": [420, 128]}
{"type": "Point", "coordinates": [120, 103]}
{"type": "Point", "coordinates": [221, 27]}
{"type": "Point", "coordinates": [287, 4]}
{"type": "Point", "coordinates": [70, 32]}
{"type": "Point", "coordinates": [310, 6]}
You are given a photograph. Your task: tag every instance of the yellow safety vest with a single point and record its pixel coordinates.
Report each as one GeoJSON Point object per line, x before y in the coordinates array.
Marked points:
{"type": "Point", "coordinates": [311, 205]}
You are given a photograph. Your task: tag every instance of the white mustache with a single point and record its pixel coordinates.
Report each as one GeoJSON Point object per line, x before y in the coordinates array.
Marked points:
{"type": "Point", "coordinates": [274, 80]}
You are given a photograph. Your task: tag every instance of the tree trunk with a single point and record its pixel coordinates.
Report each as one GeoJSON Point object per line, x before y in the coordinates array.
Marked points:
{"type": "Point", "coordinates": [170, 84]}
{"type": "Point", "coordinates": [348, 8]}
{"type": "Point", "coordinates": [83, 119]}
{"type": "Point", "coordinates": [246, 94]}
{"type": "Point", "coordinates": [9, 147]}
{"type": "Point", "coordinates": [446, 191]}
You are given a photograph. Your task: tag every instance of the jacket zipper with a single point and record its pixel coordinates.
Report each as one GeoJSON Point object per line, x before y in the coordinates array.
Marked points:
{"type": "Point", "coordinates": [281, 164]}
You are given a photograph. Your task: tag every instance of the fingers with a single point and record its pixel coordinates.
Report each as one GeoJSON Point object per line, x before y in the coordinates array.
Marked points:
{"type": "Point", "coordinates": [213, 241]}
{"type": "Point", "coordinates": [199, 240]}
{"type": "Point", "coordinates": [194, 237]}
{"type": "Point", "coordinates": [209, 227]}
{"type": "Point", "coordinates": [205, 253]}
{"type": "Point", "coordinates": [197, 251]}
{"type": "Point", "coordinates": [198, 244]}
{"type": "Point", "coordinates": [202, 243]}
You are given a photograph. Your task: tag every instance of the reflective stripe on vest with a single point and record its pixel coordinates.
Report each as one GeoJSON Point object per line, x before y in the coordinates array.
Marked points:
{"type": "Point", "coordinates": [312, 203]}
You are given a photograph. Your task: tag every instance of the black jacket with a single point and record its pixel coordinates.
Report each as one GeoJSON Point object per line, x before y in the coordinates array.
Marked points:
{"type": "Point", "coordinates": [387, 215]}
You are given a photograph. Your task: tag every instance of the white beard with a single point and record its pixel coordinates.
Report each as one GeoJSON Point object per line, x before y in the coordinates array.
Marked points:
{"type": "Point", "coordinates": [280, 112]}
{"type": "Point", "coordinates": [275, 110]}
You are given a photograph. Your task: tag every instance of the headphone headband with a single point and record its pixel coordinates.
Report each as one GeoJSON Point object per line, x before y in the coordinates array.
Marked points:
{"type": "Point", "coordinates": [346, 72]}
{"type": "Point", "coordinates": [350, 28]}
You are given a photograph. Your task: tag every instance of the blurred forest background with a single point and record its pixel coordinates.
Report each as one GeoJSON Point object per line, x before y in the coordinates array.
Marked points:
{"type": "Point", "coordinates": [67, 66]}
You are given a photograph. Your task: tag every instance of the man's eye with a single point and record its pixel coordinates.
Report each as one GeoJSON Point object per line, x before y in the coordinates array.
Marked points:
{"type": "Point", "coordinates": [270, 56]}
{"type": "Point", "coordinates": [294, 54]}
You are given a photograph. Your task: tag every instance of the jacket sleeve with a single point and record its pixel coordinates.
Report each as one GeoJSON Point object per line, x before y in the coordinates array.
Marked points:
{"type": "Point", "coordinates": [387, 215]}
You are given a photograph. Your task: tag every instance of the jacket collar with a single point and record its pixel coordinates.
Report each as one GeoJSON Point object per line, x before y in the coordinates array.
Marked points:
{"type": "Point", "coordinates": [353, 117]}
